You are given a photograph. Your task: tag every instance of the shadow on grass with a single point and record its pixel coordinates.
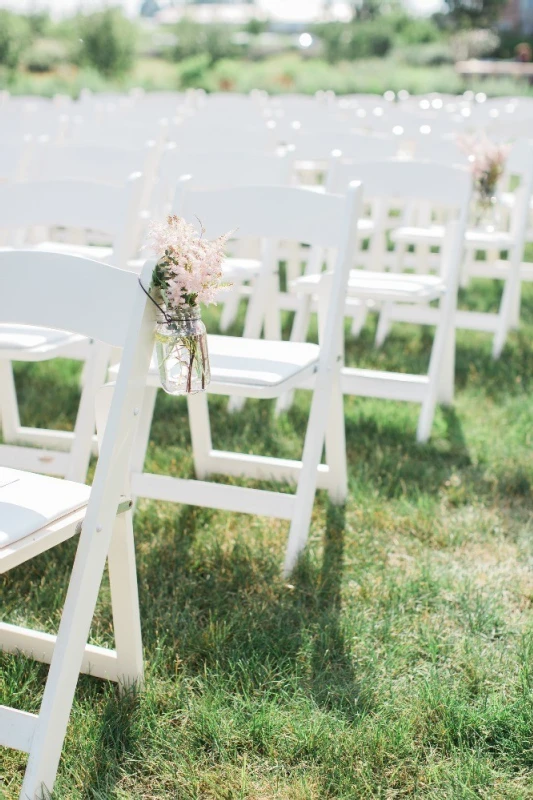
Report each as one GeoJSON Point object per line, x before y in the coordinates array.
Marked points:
{"type": "Point", "coordinates": [222, 610]}
{"type": "Point", "coordinates": [116, 744]}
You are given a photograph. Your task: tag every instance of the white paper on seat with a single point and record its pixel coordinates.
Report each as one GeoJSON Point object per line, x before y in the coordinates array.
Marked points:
{"type": "Point", "coordinates": [29, 502]}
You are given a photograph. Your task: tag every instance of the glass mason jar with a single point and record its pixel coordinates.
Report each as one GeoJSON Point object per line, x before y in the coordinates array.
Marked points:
{"type": "Point", "coordinates": [487, 215]}
{"type": "Point", "coordinates": [181, 352]}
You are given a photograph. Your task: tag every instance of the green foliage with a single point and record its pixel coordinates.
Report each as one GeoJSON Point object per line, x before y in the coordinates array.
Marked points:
{"type": "Point", "coordinates": [477, 14]}
{"type": "Point", "coordinates": [39, 22]}
{"type": "Point", "coordinates": [194, 39]}
{"type": "Point", "coordinates": [368, 9]}
{"type": "Point", "coordinates": [373, 38]}
{"type": "Point", "coordinates": [508, 43]}
{"type": "Point", "coordinates": [284, 73]}
{"type": "Point", "coordinates": [192, 71]}
{"type": "Point", "coordinates": [108, 41]}
{"type": "Point", "coordinates": [45, 54]}
{"type": "Point", "coordinates": [428, 55]}
{"type": "Point", "coordinates": [256, 26]}
{"type": "Point", "coordinates": [355, 40]}
{"type": "Point", "coordinates": [375, 35]}
{"type": "Point", "coordinates": [15, 35]}
{"type": "Point", "coordinates": [413, 30]}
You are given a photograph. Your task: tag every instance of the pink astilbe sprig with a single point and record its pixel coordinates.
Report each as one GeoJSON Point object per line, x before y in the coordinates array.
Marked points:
{"type": "Point", "coordinates": [487, 163]}
{"type": "Point", "coordinates": [189, 267]}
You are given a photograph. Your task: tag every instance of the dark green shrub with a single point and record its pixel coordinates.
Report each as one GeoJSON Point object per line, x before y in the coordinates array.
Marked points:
{"type": "Point", "coordinates": [15, 36]}
{"type": "Point", "coordinates": [358, 39]}
{"type": "Point", "coordinates": [369, 39]}
{"type": "Point", "coordinates": [419, 31]}
{"type": "Point", "coordinates": [192, 71]}
{"type": "Point", "coordinates": [508, 42]}
{"type": "Point", "coordinates": [108, 41]}
{"type": "Point", "coordinates": [255, 26]}
{"type": "Point", "coordinates": [333, 36]}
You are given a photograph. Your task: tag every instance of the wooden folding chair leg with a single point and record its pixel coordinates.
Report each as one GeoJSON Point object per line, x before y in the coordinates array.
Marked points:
{"type": "Point", "coordinates": [65, 666]}
{"type": "Point", "coordinates": [125, 602]}
{"type": "Point", "coordinates": [9, 413]}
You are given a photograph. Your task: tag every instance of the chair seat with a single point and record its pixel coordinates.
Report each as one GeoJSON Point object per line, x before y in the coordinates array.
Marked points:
{"type": "Point", "coordinates": [255, 367]}
{"type": "Point", "coordinates": [433, 236]}
{"type": "Point", "coordinates": [382, 286]}
{"type": "Point", "coordinates": [26, 343]}
{"type": "Point", "coordinates": [31, 502]}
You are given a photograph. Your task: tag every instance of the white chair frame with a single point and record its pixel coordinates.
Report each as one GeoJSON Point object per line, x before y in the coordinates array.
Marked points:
{"type": "Point", "coordinates": [106, 304]}
{"type": "Point", "coordinates": [72, 203]}
{"type": "Point", "coordinates": [270, 212]}
{"type": "Point", "coordinates": [407, 181]}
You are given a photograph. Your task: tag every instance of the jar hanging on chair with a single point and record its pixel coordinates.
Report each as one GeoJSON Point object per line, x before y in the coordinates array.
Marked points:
{"type": "Point", "coordinates": [181, 352]}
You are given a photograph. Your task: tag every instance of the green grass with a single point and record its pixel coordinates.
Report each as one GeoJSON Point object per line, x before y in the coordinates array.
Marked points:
{"type": "Point", "coordinates": [397, 663]}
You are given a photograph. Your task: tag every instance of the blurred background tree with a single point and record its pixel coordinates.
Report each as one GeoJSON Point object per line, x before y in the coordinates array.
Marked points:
{"type": "Point", "coordinates": [108, 41]}
{"type": "Point", "coordinates": [15, 35]}
{"type": "Point", "coordinates": [475, 13]}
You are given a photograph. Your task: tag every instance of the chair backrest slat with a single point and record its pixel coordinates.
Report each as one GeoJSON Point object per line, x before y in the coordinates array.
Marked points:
{"type": "Point", "coordinates": [277, 212]}
{"type": "Point", "coordinates": [68, 293]}
{"type": "Point", "coordinates": [438, 184]}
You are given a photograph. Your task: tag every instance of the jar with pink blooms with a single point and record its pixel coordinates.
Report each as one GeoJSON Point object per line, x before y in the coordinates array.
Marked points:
{"type": "Point", "coordinates": [188, 273]}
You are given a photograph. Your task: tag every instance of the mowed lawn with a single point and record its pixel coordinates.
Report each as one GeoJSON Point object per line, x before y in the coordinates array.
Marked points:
{"type": "Point", "coordinates": [398, 660]}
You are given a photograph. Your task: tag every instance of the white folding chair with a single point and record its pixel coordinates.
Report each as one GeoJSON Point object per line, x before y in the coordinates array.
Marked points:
{"type": "Point", "coordinates": [398, 183]}
{"type": "Point", "coordinates": [266, 369]}
{"type": "Point", "coordinates": [39, 512]}
{"type": "Point", "coordinates": [218, 170]}
{"type": "Point", "coordinates": [76, 204]}
{"type": "Point", "coordinates": [110, 164]}
{"type": "Point", "coordinates": [511, 237]}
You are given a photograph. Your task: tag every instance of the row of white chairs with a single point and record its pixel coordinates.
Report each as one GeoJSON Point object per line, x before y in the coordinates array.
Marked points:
{"type": "Point", "coordinates": [105, 306]}
{"type": "Point", "coordinates": [161, 171]}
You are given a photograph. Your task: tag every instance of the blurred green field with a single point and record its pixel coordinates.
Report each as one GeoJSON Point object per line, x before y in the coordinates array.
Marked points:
{"type": "Point", "coordinates": [277, 74]}
{"type": "Point", "coordinates": [397, 663]}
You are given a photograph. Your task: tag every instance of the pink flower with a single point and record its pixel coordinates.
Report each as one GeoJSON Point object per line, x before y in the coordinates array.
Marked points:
{"type": "Point", "coordinates": [189, 269]}
{"type": "Point", "coordinates": [487, 162]}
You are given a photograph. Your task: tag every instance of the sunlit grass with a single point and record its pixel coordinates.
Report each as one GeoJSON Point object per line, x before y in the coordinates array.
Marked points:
{"type": "Point", "coordinates": [398, 661]}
